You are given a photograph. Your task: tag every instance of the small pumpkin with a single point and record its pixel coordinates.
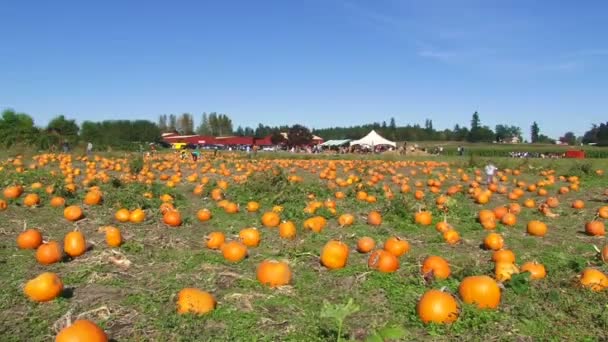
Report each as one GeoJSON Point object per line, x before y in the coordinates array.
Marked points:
{"type": "Point", "coordinates": [203, 215]}
{"type": "Point", "coordinates": [271, 219]}
{"type": "Point", "coordinates": [334, 254]}
{"type": "Point", "coordinates": [137, 216]}
{"type": "Point", "coordinates": [451, 237]}
{"type": "Point", "coordinates": [215, 240]}
{"type": "Point", "coordinates": [31, 200]}
{"type": "Point", "coordinates": [536, 270]}
{"type": "Point", "coordinates": [49, 253]}
{"type": "Point", "coordinates": [287, 230]}
{"type": "Point", "coordinates": [250, 237]}
{"type": "Point", "coordinates": [113, 236]}
{"type": "Point", "coordinates": [437, 307]}
{"type": "Point", "coordinates": [383, 261]}
{"type": "Point", "coordinates": [595, 228]}
{"type": "Point", "coordinates": [396, 246]}
{"type": "Point", "coordinates": [493, 241]}
{"type": "Point", "coordinates": [195, 301]}
{"type": "Point", "coordinates": [122, 215]}
{"type": "Point", "coordinates": [424, 218]}
{"type": "Point", "coordinates": [74, 244]}
{"type": "Point", "coordinates": [346, 220]}
{"type": "Point", "coordinates": [29, 239]}
{"type": "Point", "coordinates": [57, 202]}
{"type": "Point", "coordinates": [503, 271]}
{"type": "Point", "coordinates": [374, 218]}
{"type": "Point", "coordinates": [536, 228]}
{"type": "Point", "coordinates": [234, 251]}
{"type": "Point", "coordinates": [172, 218]}
{"type": "Point", "coordinates": [73, 213]}
{"type": "Point", "coordinates": [593, 279]}
{"type": "Point", "coordinates": [253, 207]}
{"type": "Point", "coordinates": [92, 198]}
{"type": "Point", "coordinates": [436, 267]}
{"type": "Point", "coordinates": [503, 255]}
{"type": "Point", "coordinates": [273, 273]}
{"type": "Point", "coordinates": [47, 286]}
{"type": "Point", "coordinates": [365, 244]}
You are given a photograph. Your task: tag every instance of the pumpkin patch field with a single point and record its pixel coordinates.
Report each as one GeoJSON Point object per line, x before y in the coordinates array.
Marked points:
{"type": "Point", "coordinates": [285, 248]}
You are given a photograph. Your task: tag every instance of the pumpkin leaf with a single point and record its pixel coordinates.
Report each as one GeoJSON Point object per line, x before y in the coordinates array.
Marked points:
{"type": "Point", "coordinates": [339, 312]}
{"type": "Point", "coordinates": [392, 333]}
{"type": "Point", "coordinates": [520, 283]}
{"type": "Point", "coordinates": [374, 337]}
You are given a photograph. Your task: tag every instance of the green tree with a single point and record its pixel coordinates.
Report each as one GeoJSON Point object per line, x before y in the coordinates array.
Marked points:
{"type": "Point", "coordinates": [162, 122]}
{"type": "Point", "coordinates": [534, 133]}
{"type": "Point", "coordinates": [299, 135]}
{"type": "Point", "coordinates": [172, 125]}
{"type": "Point", "coordinates": [204, 128]}
{"type": "Point", "coordinates": [506, 132]}
{"type": "Point", "coordinates": [63, 129]}
{"type": "Point", "coordinates": [185, 124]}
{"type": "Point", "coordinates": [475, 121]}
{"type": "Point", "coordinates": [17, 128]}
{"type": "Point", "coordinates": [568, 138]}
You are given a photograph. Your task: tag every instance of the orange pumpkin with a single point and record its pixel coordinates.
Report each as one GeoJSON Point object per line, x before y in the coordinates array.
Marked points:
{"type": "Point", "coordinates": [396, 246]}
{"type": "Point", "coordinates": [536, 228]}
{"type": "Point", "coordinates": [374, 218]}
{"type": "Point", "coordinates": [57, 202]}
{"type": "Point", "coordinates": [122, 215]}
{"type": "Point", "coordinates": [3, 205]}
{"type": "Point", "coordinates": [578, 204]}
{"type": "Point", "coordinates": [287, 230]}
{"type": "Point", "coordinates": [234, 251]}
{"type": "Point", "coordinates": [493, 241]}
{"type": "Point", "coordinates": [593, 279]}
{"type": "Point", "coordinates": [31, 200]}
{"type": "Point", "coordinates": [365, 244]}
{"type": "Point", "coordinates": [271, 219]}
{"type": "Point", "coordinates": [47, 286]}
{"type": "Point", "coordinates": [481, 291]}
{"type": "Point", "coordinates": [509, 219]}
{"type": "Point", "coordinates": [504, 270]}
{"type": "Point", "coordinates": [595, 228]}
{"type": "Point", "coordinates": [195, 301]}
{"type": "Point", "coordinates": [273, 273]}
{"type": "Point", "coordinates": [436, 267]}
{"type": "Point", "coordinates": [503, 255]}
{"type": "Point", "coordinates": [172, 218]}
{"type": "Point", "coordinates": [92, 198]}
{"type": "Point", "coordinates": [316, 223]}
{"type": "Point", "coordinates": [437, 307]}
{"type": "Point", "coordinates": [29, 239]}
{"type": "Point", "coordinates": [451, 237]}
{"type": "Point", "coordinates": [250, 237]}
{"type": "Point", "coordinates": [13, 192]}
{"type": "Point", "coordinates": [73, 213]}
{"type": "Point", "coordinates": [603, 211]}
{"type": "Point", "coordinates": [137, 216]}
{"type": "Point", "coordinates": [203, 215]}
{"type": "Point", "coordinates": [49, 253]}
{"type": "Point", "coordinates": [74, 244]}
{"type": "Point", "coordinates": [536, 270]}
{"type": "Point", "coordinates": [346, 220]}
{"type": "Point", "coordinates": [424, 218]}
{"type": "Point", "coordinates": [113, 236]}
{"type": "Point", "coordinates": [383, 261]}
{"type": "Point", "coordinates": [334, 254]}
{"type": "Point", "coordinates": [253, 207]}
{"type": "Point", "coordinates": [215, 240]}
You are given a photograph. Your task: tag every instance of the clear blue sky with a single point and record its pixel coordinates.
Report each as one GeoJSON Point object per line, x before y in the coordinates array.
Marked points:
{"type": "Point", "coordinates": [318, 62]}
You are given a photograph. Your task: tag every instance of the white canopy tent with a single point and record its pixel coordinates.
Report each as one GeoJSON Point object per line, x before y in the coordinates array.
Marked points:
{"type": "Point", "coordinates": [373, 139]}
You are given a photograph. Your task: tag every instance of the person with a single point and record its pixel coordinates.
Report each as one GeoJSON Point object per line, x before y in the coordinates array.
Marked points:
{"type": "Point", "coordinates": [490, 171]}
{"type": "Point", "coordinates": [89, 148]}
{"type": "Point", "coordinates": [65, 147]}
{"type": "Point", "coordinates": [183, 154]}
{"type": "Point", "coordinates": [195, 154]}
{"type": "Point", "coordinates": [405, 148]}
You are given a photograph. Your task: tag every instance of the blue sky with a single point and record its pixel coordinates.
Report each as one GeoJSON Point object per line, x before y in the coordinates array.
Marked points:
{"type": "Point", "coordinates": [318, 62]}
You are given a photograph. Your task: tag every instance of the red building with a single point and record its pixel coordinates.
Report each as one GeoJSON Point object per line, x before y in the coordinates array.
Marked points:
{"type": "Point", "coordinates": [172, 138]}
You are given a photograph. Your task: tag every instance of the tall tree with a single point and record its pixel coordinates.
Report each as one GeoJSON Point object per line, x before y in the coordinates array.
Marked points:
{"type": "Point", "coordinates": [16, 128]}
{"type": "Point", "coordinates": [299, 135]}
{"type": "Point", "coordinates": [204, 128]}
{"type": "Point", "coordinates": [162, 122]}
{"type": "Point", "coordinates": [534, 133]}
{"type": "Point", "coordinates": [475, 121]}
{"type": "Point", "coordinates": [185, 124]}
{"type": "Point", "coordinates": [568, 138]}
{"type": "Point", "coordinates": [172, 125]}
{"type": "Point", "coordinates": [505, 133]}
{"type": "Point", "coordinates": [63, 129]}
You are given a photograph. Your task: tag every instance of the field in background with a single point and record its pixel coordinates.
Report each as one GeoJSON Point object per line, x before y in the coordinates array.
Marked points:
{"type": "Point", "coordinates": [138, 303]}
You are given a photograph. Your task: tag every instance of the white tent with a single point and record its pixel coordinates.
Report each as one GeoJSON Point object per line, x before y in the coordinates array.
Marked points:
{"type": "Point", "coordinates": [373, 139]}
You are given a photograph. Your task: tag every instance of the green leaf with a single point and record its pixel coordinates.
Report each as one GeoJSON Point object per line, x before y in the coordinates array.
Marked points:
{"type": "Point", "coordinates": [339, 312]}
{"type": "Point", "coordinates": [520, 283]}
{"type": "Point", "coordinates": [374, 337]}
{"type": "Point", "coordinates": [392, 333]}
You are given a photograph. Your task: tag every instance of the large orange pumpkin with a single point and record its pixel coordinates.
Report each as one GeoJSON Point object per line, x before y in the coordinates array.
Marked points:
{"type": "Point", "coordinates": [13, 192]}
{"type": "Point", "coordinates": [113, 236]}
{"type": "Point", "coordinates": [74, 244]}
{"type": "Point", "coordinates": [29, 239]}
{"type": "Point", "coordinates": [137, 216]}
{"type": "Point", "coordinates": [47, 286]}
{"type": "Point", "coordinates": [536, 270]}
{"type": "Point", "coordinates": [374, 218]}
{"type": "Point", "coordinates": [536, 228]}
{"type": "Point", "coordinates": [31, 200]}
{"type": "Point", "coordinates": [273, 273]}
{"type": "Point", "coordinates": [365, 244]}
{"type": "Point", "coordinates": [287, 230]}
{"type": "Point", "coordinates": [195, 301]}
{"type": "Point", "coordinates": [215, 240]}
{"type": "Point", "coordinates": [234, 251]}
{"type": "Point", "coordinates": [481, 291]}
{"type": "Point", "coordinates": [203, 215]}
{"type": "Point", "coordinates": [493, 241]}
{"type": "Point", "coordinates": [593, 279]}
{"type": "Point", "coordinates": [250, 237]}
{"type": "Point", "coordinates": [172, 218]}
{"type": "Point", "coordinates": [383, 261]}
{"type": "Point", "coordinates": [437, 307]}
{"type": "Point", "coordinates": [595, 228]}
{"type": "Point", "coordinates": [72, 213]}
{"type": "Point", "coordinates": [82, 330]}
{"type": "Point", "coordinates": [271, 219]}
{"type": "Point", "coordinates": [396, 246]}
{"type": "Point", "coordinates": [334, 254]}
{"type": "Point", "coordinates": [122, 215]}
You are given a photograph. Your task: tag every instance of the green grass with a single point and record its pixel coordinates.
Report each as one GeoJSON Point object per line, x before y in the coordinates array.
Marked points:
{"type": "Point", "coordinates": [141, 299]}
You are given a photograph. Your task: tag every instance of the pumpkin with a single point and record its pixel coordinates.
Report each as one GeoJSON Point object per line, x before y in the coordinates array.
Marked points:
{"type": "Point", "coordinates": [203, 215]}
{"type": "Point", "coordinates": [536, 228]}
{"type": "Point", "coordinates": [504, 270]}
{"type": "Point", "coordinates": [165, 207]}
{"type": "Point", "coordinates": [253, 207]}
{"type": "Point", "coordinates": [509, 219]}
{"type": "Point", "coordinates": [374, 218]}
{"type": "Point", "coordinates": [552, 202]}
{"type": "Point", "coordinates": [122, 215]}
{"type": "Point", "coordinates": [74, 244]}
{"type": "Point", "coordinates": [595, 228]}
{"type": "Point", "coordinates": [231, 208]}
{"type": "Point", "coordinates": [437, 307]}
{"type": "Point", "coordinates": [493, 241]}
{"type": "Point", "coordinates": [485, 214]}
{"type": "Point", "coordinates": [499, 212]}
{"type": "Point", "coordinates": [604, 254]}
{"type": "Point", "coordinates": [603, 211]}
{"type": "Point", "coordinates": [113, 236]}
{"type": "Point", "coordinates": [57, 202]}
{"type": "Point", "coordinates": [346, 220]}
{"type": "Point", "coordinates": [273, 273]}
{"type": "Point", "coordinates": [215, 240]}
{"type": "Point", "coordinates": [316, 223]}
{"type": "Point", "coordinates": [31, 200]}
{"type": "Point", "coordinates": [29, 239]}
{"type": "Point", "coordinates": [47, 286]}
{"type": "Point", "coordinates": [436, 267]}
{"type": "Point", "coordinates": [578, 204]}
{"type": "Point", "coordinates": [536, 270]}
{"type": "Point", "coordinates": [424, 218]}
{"type": "Point", "coordinates": [334, 254]}
{"type": "Point", "coordinates": [443, 226]}
{"type": "Point", "coordinates": [72, 213]}
{"type": "Point", "coordinates": [365, 244]}
{"type": "Point", "coordinates": [396, 246]}
{"type": "Point", "coordinates": [92, 198]}
{"type": "Point", "coordinates": [383, 261]}
{"type": "Point", "coordinates": [234, 251]}
{"type": "Point", "coordinates": [172, 218]}
{"type": "Point", "coordinates": [82, 330]}
{"type": "Point", "coordinates": [451, 237]}
{"type": "Point", "coordinates": [271, 219]}
{"type": "Point", "coordinates": [137, 216]}
{"type": "Point", "coordinates": [250, 237]}
{"type": "Point", "coordinates": [287, 230]}
{"type": "Point", "coordinates": [503, 255]}
{"type": "Point", "coordinates": [49, 253]}
{"type": "Point", "coordinates": [481, 291]}
{"type": "Point", "coordinates": [489, 224]}
{"type": "Point", "coordinates": [195, 301]}
{"type": "Point", "coordinates": [3, 205]}
{"type": "Point", "coordinates": [594, 280]}
{"type": "Point", "coordinates": [529, 203]}
{"type": "Point", "coordinates": [13, 192]}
